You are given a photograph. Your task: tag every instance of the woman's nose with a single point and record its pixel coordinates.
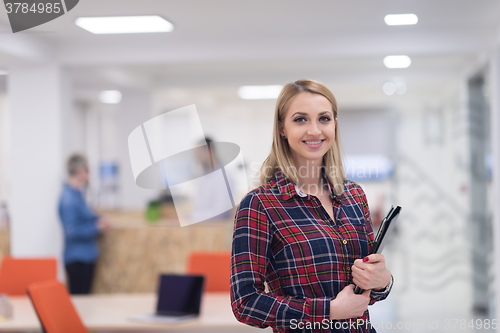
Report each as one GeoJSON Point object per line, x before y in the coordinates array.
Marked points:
{"type": "Point", "coordinates": [313, 129]}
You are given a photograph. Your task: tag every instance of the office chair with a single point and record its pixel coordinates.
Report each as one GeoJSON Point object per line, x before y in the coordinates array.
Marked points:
{"type": "Point", "coordinates": [54, 307]}
{"type": "Point", "coordinates": [214, 266]}
{"type": "Point", "coordinates": [17, 273]}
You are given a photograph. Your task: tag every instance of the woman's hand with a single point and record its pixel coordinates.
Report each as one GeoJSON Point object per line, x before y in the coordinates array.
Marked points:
{"type": "Point", "coordinates": [349, 305]}
{"type": "Point", "coordinates": [370, 272]}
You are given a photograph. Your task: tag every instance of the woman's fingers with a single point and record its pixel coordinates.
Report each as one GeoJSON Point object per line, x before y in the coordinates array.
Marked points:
{"type": "Point", "coordinates": [360, 280]}
{"type": "Point", "coordinates": [349, 305]}
{"type": "Point", "coordinates": [374, 258]}
{"type": "Point", "coordinates": [359, 263]}
{"type": "Point", "coordinates": [356, 270]}
{"type": "Point", "coordinates": [371, 274]}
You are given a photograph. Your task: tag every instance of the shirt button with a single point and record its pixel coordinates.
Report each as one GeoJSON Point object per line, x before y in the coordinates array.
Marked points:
{"type": "Point", "coordinates": [344, 242]}
{"type": "Point", "coordinates": [348, 268]}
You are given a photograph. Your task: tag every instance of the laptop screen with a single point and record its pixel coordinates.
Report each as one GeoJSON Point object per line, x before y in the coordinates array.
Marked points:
{"type": "Point", "coordinates": [179, 295]}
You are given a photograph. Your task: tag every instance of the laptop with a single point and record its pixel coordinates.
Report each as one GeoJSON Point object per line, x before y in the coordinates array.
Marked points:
{"type": "Point", "coordinates": [179, 298]}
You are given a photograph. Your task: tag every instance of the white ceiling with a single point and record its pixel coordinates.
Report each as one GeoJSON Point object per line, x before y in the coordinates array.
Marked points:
{"type": "Point", "coordinates": [230, 42]}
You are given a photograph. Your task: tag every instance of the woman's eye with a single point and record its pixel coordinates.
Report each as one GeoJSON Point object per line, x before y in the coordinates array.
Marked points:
{"type": "Point", "coordinates": [299, 120]}
{"type": "Point", "coordinates": [325, 119]}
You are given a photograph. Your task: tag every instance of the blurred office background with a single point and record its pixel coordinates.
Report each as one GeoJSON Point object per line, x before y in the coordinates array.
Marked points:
{"type": "Point", "coordinates": [424, 137]}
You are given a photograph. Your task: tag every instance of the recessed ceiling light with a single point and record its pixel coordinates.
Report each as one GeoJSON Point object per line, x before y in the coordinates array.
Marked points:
{"type": "Point", "coordinates": [110, 96]}
{"type": "Point", "coordinates": [389, 88]}
{"type": "Point", "coordinates": [400, 88]}
{"type": "Point", "coordinates": [397, 61]}
{"type": "Point", "coordinates": [401, 19]}
{"type": "Point", "coordinates": [124, 24]}
{"type": "Point", "coordinates": [259, 92]}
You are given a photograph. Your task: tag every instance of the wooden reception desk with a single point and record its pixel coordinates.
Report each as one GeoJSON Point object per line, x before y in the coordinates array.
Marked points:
{"type": "Point", "coordinates": [4, 242]}
{"type": "Point", "coordinates": [134, 251]}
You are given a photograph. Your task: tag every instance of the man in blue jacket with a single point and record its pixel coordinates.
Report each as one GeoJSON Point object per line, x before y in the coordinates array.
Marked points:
{"type": "Point", "coordinates": [81, 228]}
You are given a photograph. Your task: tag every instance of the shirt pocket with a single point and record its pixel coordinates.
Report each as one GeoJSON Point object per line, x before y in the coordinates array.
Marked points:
{"type": "Point", "coordinates": [353, 226]}
{"type": "Point", "coordinates": [352, 214]}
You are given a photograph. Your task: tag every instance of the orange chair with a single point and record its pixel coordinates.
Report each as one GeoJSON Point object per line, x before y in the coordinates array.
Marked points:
{"type": "Point", "coordinates": [54, 307]}
{"type": "Point", "coordinates": [17, 273]}
{"type": "Point", "coordinates": [214, 266]}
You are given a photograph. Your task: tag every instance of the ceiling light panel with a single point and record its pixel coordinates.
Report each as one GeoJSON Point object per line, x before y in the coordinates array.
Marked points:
{"type": "Point", "coordinates": [110, 96]}
{"type": "Point", "coordinates": [397, 61]}
{"type": "Point", "coordinates": [124, 24]}
{"type": "Point", "coordinates": [401, 19]}
{"type": "Point", "coordinates": [260, 92]}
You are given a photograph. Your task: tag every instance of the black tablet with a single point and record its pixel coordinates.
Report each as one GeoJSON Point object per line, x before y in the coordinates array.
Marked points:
{"type": "Point", "coordinates": [383, 235]}
{"type": "Point", "coordinates": [385, 229]}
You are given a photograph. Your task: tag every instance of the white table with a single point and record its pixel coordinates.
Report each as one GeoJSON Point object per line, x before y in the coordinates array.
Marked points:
{"type": "Point", "coordinates": [111, 312]}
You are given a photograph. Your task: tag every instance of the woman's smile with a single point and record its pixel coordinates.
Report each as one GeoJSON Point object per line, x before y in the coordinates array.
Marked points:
{"type": "Point", "coordinates": [314, 144]}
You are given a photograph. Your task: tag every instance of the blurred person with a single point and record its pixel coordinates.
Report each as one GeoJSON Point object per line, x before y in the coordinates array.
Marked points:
{"type": "Point", "coordinates": [81, 227]}
{"type": "Point", "coordinates": [4, 216]}
{"type": "Point", "coordinates": [210, 198]}
{"type": "Point", "coordinates": [301, 240]}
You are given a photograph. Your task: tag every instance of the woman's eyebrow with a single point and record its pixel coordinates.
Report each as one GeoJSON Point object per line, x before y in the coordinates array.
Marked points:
{"type": "Point", "coordinates": [305, 113]}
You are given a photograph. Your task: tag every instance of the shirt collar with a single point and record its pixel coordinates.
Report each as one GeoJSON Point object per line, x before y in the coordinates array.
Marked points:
{"type": "Point", "coordinates": [288, 189]}
{"type": "Point", "coordinates": [71, 188]}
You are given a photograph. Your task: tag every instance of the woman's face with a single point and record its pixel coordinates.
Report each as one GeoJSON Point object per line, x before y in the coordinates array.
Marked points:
{"type": "Point", "coordinates": [309, 127]}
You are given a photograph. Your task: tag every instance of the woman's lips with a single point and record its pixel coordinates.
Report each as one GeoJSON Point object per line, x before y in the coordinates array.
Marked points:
{"type": "Point", "coordinates": [314, 144]}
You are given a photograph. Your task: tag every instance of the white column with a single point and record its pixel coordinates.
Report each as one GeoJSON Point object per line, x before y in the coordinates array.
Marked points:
{"type": "Point", "coordinates": [38, 99]}
{"type": "Point", "coordinates": [4, 150]}
{"type": "Point", "coordinates": [134, 109]}
{"type": "Point", "coordinates": [495, 139]}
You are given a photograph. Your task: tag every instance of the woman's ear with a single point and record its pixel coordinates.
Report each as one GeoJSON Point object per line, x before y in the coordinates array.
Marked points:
{"type": "Point", "coordinates": [281, 130]}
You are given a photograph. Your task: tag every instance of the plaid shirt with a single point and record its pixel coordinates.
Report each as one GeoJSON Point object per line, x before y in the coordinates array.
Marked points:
{"type": "Point", "coordinates": [287, 239]}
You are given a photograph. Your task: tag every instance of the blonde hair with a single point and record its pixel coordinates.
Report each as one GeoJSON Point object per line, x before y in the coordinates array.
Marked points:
{"type": "Point", "coordinates": [280, 156]}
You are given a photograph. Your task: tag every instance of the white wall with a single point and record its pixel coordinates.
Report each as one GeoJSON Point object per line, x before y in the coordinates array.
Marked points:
{"type": "Point", "coordinates": [36, 108]}
{"type": "Point", "coordinates": [495, 132]}
{"type": "Point", "coordinates": [4, 148]}
{"type": "Point", "coordinates": [134, 109]}
{"type": "Point", "coordinates": [106, 130]}
{"type": "Point", "coordinates": [432, 180]}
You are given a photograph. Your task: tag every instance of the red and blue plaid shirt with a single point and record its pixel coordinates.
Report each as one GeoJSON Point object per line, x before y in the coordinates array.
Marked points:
{"type": "Point", "coordinates": [287, 239]}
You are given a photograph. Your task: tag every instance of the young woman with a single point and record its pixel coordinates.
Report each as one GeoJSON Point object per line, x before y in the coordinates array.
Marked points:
{"type": "Point", "coordinates": [301, 240]}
